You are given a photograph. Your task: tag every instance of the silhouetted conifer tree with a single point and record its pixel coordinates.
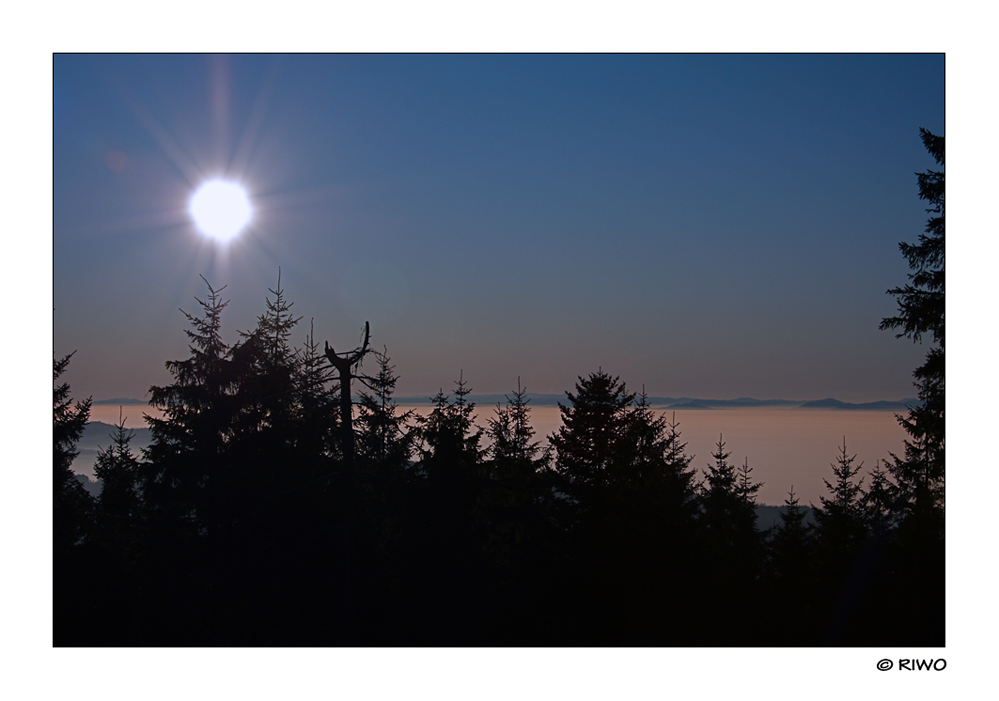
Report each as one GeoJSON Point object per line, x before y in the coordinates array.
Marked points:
{"type": "Point", "coordinates": [448, 519]}
{"type": "Point", "coordinates": [728, 501]}
{"type": "Point", "coordinates": [72, 519]}
{"type": "Point", "coordinates": [593, 451]}
{"type": "Point", "coordinates": [510, 430]}
{"type": "Point", "coordinates": [791, 539]}
{"type": "Point", "coordinates": [592, 444]}
{"type": "Point", "coordinates": [747, 493]}
{"type": "Point", "coordinates": [118, 470]}
{"type": "Point", "coordinates": [748, 488]}
{"type": "Point", "coordinates": [879, 501]}
{"type": "Point", "coordinates": [841, 522]}
{"type": "Point", "coordinates": [320, 418]}
{"type": "Point", "coordinates": [647, 531]}
{"type": "Point", "coordinates": [656, 484]}
{"type": "Point", "coordinates": [195, 501]}
{"type": "Point", "coordinates": [731, 555]}
{"type": "Point", "coordinates": [844, 552]}
{"type": "Point", "coordinates": [517, 537]}
{"type": "Point", "coordinates": [629, 515]}
{"type": "Point", "coordinates": [385, 440]}
{"type": "Point", "coordinates": [513, 451]}
{"type": "Point", "coordinates": [119, 545]}
{"type": "Point", "coordinates": [791, 576]}
{"type": "Point", "coordinates": [385, 446]}
{"type": "Point", "coordinates": [270, 442]}
{"type": "Point", "coordinates": [660, 461]}
{"type": "Point", "coordinates": [919, 475]}
{"type": "Point", "coordinates": [72, 504]}
{"type": "Point", "coordinates": [271, 390]}
{"type": "Point", "coordinates": [188, 476]}
{"type": "Point", "coordinates": [517, 471]}
{"type": "Point", "coordinates": [449, 440]}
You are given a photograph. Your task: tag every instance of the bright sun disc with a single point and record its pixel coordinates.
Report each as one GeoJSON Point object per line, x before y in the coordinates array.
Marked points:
{"type": "Point", "coordinates": [221, 209]}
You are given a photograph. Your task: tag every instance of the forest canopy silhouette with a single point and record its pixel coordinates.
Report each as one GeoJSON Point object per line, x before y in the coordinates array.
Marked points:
{"type": "Point", "coordinates": [286, 499]}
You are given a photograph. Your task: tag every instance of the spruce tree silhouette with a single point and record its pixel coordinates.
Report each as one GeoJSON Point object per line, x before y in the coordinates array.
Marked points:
{"type": "Point", "coordinates": [921, 305]}
{"type": "Point", "coordinates": [842, 540]}
{"type": "Point", "coordinates": [450, 461]}
{"type": "Point", "coordinates": [649, 530]}
{"type": "Point", "coordinates": [71, 502]}
{"type": "Point", "coordinates": [225, 446]}
{"type": "Point", "coordinates": [189, 481]}
{"type": "Point", "coordinates": [731, 548]}
{"type": "Point", "coordinates": [185, 455]}
{"type": "Point", "coordinates": [628, 514]}
{"type": "Point", "coordinates": [790, 576]}
{"type": "Point", "coordinates": [72, 514]}
{"type": "Point", "coordinates": [595, 430]}
{"type": "Point", "coordinates": [385, 444]}
{"type": "Point", "coordinates": [319, 435]}
{"type": "Point", "coordinates": [450, 441]}
{"type": "Point", "coordinates": [513, 451]}
{"type": "Point", "coordinates": [918, 475]}
{"type": "Point", "coordinates": [728, 501]}
{"type": "Point", "coordinates": [880, 502]}
{"type": "Point", "coordinates": [118, 543]}
{"type": "Point", "coordinates": [519, 538]}
{"type": "Point", "coordinates": [589, 449]}
{"type": "Point", "coordinates": [791, 540]}
{"type": "Point", "coordinates": [841, 522]}
{"type": "Point", "coordinates": [516, 469]}
{"type": "Point", "coordinates": [118, 470]}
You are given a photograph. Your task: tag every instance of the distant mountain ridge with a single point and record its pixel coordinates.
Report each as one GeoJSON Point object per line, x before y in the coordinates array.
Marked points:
{"type": "Point", "coordinates": [97, 434]}
{"type": "Point", "coordinates": [690, 402]}
{"type": "Point", "coordinates": [123, 401]}
{"type": "Point", "coordinates": [830, 403]}
{"type": "Point", "coordinates": [667, 402]}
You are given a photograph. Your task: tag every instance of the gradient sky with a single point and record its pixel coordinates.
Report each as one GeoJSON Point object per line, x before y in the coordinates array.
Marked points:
{"type": "Point", "coordinates": [712, 226]}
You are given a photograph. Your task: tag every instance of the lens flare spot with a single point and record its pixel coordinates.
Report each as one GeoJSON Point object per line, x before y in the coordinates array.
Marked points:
{"type": "Point", "coordinates": [116, 161]}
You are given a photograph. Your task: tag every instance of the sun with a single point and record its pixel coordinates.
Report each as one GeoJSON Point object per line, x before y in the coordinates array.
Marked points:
{"type": "Point", "coordinates": [221, 209]}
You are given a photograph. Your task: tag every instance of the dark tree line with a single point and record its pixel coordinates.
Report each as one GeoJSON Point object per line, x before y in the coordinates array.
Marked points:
{"type": "Point", "coordinates": [250, 520]}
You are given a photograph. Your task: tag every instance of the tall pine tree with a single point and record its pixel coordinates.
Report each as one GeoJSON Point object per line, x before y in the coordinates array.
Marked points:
{"type": "Point", "coordinates": [117, 467]}
{"type": "Point", "coordinates": [919, 474]}
{"type": "Point", "coordinates": [71, 502]}
{"type": "Point", "coordinates": [188, 474]}
{"type": "Point", "coordinates": [592, 444]}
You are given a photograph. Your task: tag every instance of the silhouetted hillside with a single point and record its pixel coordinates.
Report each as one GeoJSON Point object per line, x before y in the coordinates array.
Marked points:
{"type": "Point", "coordinates": [901, 405]}
{"type": "Point", "coordinates": [97, 435]}
{"type": "Point", "coordinates": [687, 402]}
{"type": "Point", "coordinates": [94, 488]}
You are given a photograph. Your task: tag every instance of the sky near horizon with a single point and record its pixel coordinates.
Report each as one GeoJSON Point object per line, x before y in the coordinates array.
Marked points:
{"type": "Point", "coordinates": [711, 226]}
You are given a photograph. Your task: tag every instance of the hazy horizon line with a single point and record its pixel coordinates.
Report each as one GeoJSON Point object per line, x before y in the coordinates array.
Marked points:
{"type": "Point", "coordinates": [551, 398]}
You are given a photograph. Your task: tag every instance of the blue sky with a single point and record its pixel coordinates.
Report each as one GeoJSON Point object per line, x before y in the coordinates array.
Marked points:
{"type": "Point", "coordinates": [706, 225]}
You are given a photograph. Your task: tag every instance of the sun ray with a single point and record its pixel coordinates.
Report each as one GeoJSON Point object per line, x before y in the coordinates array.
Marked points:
{"type": "Point", "coordinates": [249, 137]}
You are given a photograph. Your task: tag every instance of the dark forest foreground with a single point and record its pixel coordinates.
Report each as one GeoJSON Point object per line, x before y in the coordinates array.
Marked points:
{"type": "Point", "coordinates": [271, 510]}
